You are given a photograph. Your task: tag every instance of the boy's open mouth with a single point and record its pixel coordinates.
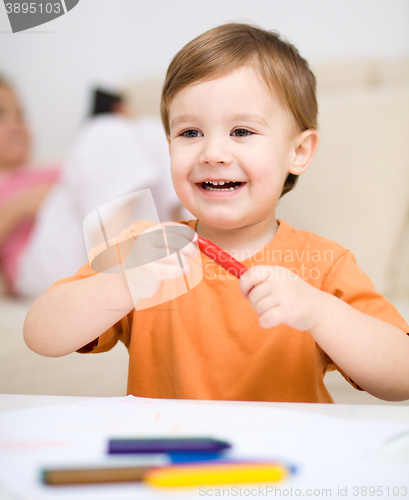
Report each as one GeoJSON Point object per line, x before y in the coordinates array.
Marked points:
{"type": "Point", "coordinates": [221, 185]}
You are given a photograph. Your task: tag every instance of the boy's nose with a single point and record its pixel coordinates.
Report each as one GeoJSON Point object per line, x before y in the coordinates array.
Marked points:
{"type": "Point", "coordinates": [215, 151]}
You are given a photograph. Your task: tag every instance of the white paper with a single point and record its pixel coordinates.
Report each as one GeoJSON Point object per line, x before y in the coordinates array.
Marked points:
{"type": "Point", "coordinates": [327, 451]}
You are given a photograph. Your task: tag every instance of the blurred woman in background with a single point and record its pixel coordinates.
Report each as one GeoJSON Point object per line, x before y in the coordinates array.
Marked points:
{"type": "Point", "coordinates": [42, 210]}
{"type": "Point", "coordinates": [22, 189]}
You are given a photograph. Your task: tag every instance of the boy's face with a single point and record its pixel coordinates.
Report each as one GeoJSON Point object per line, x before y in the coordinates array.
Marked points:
{"type": "Point", "coordinates": [230, 129]}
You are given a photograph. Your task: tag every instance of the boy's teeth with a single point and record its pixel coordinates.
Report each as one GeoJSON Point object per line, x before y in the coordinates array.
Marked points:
{"type": "Point", "coordinates": [215, 183]}
{"type": "Point", "coordinates": [210, 185]}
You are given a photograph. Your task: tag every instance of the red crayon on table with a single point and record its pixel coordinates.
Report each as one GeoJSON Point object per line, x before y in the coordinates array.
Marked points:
{"type": "Point", "coordinates": [221, 257]}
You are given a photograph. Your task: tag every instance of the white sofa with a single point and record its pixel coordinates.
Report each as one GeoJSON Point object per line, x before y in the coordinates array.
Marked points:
{"type": "Point", "coordinates": [356, 192]}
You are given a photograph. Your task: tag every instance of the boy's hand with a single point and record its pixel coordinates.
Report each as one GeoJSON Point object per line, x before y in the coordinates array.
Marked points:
{"type": "Point", "coordinates": [155, 260]}
{"type": "Point", "coordinates": [280, 296]}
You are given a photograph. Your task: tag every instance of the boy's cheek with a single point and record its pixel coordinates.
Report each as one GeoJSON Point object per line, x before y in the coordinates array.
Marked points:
{"type": "Point", "coordinates": [181, 186]}
{"type": "Point", "coordinates": [180, 170]}
{"type": "Point", "coordinates": [177, 164]}
{"type": "Point", "coordinates": [178, 177]}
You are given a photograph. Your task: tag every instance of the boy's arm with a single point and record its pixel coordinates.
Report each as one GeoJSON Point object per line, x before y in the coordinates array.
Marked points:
{"type": "Point", "coordinates": [71, 315]}
{"type": "Point", "coordinates": [374, 353]}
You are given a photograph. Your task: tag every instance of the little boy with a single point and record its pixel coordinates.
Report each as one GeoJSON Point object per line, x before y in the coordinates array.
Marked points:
{"type": "Point", "coordinates": [239, 110]}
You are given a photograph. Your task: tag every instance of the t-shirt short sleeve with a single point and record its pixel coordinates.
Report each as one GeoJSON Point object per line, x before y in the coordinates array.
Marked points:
{"type": "Point", "coordinates": [105, 342]}
{"type": "Point", "coordinates": [349, 283]}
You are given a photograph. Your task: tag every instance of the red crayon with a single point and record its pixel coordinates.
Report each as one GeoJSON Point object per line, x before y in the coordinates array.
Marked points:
{"type": "Point", "coordinates": [221, 257]}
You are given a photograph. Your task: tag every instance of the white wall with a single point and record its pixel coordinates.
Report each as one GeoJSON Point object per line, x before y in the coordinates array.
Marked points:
{"type": "Point", "coordinates": [110, 41]}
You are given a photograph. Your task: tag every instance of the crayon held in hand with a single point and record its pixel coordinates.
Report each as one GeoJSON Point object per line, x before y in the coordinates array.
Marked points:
{"type": "Point", "coordinates": [221, 257]}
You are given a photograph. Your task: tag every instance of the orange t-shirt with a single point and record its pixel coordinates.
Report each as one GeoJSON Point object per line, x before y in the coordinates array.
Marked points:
{"type": "Point", "coordinates": [207, 343]}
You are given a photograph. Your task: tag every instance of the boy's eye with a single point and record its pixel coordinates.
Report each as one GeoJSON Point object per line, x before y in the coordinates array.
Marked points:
{"type": "Point", "coordinates": [241, 132]}
{"type": "Point", "coordinates": [191, 134]}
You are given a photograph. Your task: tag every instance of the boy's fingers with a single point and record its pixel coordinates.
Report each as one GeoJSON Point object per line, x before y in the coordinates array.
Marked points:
{"type": "Point", "coordinates": [179, 234]}
{"type": "Point", "coordinates": [166, 271]}
{"type": "Point", "coordinates": [155, 272]}
{"type": "Point", "coordinates": [154, 245]}
{"type": "Point", "coordinates": [190, 250]}
{"type": "Point", "coordinates": [172, 237]}
{"type": "Point", "coordinates": [258, 293]}
{"type": "Point", "coordinates": [272, 317]}
{"type": "Point", "coordinates": [253, 277]}
{"type": "Point", "coordinates": [268, 301]}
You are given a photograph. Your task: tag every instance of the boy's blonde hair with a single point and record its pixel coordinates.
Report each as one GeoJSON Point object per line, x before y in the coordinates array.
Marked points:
{"type": "Point", "coordinates": [228, 47]}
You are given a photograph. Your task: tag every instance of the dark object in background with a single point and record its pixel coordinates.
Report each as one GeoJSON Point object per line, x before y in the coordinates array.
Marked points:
{"type": "Point", "coordinates": [105, 102]}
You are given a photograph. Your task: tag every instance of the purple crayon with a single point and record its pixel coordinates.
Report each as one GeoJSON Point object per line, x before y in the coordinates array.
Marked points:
{"type": "Point", "coordinates": [160, 445]}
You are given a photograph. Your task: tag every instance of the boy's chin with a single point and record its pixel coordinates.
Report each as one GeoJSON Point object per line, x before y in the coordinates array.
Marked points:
{"type": "Point", "coordinates": [222, 223]}
{"type": "Point", "coordinates": [216, 217]}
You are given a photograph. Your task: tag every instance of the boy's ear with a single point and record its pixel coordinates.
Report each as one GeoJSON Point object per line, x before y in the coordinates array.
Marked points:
{"type": "Point", "coordinates": [306, 145]}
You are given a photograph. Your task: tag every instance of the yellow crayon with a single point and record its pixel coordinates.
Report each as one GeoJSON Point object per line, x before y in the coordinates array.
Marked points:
{"type": "Point", "coordinates": [226, 473]}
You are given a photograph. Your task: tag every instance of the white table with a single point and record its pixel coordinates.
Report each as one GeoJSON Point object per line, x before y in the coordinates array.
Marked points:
{"type": "Point", "coordinates": [351, 413]}
{"type": "Point", "coordinates": [9, 402]}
